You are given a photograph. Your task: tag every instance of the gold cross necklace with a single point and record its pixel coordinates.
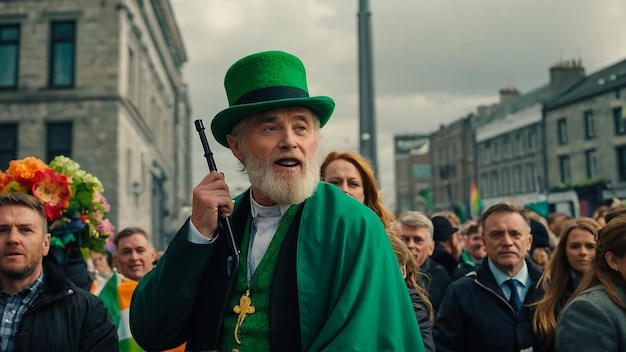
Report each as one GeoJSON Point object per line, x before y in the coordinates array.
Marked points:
{"type": "Point", "coordinates": [245, 307]}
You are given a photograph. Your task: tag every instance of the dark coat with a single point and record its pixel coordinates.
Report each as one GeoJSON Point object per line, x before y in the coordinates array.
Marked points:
{"type": "Point", "coordinates": [65, 318]}
{"type": "Point", "coordinates": [327, 291]}
{"type": "Point", "coordinates": [476, 316]}
{"type": "Point", "coordinates": [436, 281]}
{"type": "Point", "coordinates": [423, 320]}
{"type": "Point", "coordinates": [442, 257]}
{"type": "Point", "coordinates": [215, 286]}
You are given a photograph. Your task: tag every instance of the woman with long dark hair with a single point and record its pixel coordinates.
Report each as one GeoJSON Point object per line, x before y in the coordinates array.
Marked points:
{"type": "Point", "coordinates": [569, 262]}
{"type": "Point", "coordinates": [595, 318]}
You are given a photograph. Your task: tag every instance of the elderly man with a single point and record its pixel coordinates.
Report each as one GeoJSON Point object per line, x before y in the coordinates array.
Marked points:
{"type": "Point", "coordinates": [41, 309]}
{"type": "Point", "coordinates": [489, 311]}
{"type": "Point", "coordinates": [317, 271]}
{"type": "Point", "coordinates": [417, 231]}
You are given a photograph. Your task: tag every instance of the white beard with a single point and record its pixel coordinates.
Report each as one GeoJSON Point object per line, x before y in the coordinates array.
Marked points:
{"type": "Point", "coordinates": [284, 187]}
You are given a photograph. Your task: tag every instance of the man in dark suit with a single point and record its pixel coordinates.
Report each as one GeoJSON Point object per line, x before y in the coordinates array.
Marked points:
{"type": "Point", "coordinates": [489, 311]}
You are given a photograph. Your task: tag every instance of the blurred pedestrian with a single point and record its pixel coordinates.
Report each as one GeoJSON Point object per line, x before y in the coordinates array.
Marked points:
{"type": "Point", "coordinates": [448, 246]}
{"type": "Point", "coordinates": [556, 221]}
{"type": "Point", "coordinates": [473, 250]}
{"type": "Point", "coordinates": [540, 249]}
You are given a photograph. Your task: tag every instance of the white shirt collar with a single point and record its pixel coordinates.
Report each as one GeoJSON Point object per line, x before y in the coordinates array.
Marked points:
{"type": "Point", "coordinates": [276, 210]}
{"type": "Point", "coordinates": [521, 276]}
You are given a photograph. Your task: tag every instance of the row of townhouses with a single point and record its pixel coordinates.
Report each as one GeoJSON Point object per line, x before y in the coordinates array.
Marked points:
{"type": "Point", "coordinates": [559, 147]}
{"type": "Point", "coordinates": [101, 82]}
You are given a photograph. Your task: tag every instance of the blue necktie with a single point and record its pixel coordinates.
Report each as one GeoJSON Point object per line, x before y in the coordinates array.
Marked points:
{"type": "Point", "coordinates": [514, 300]}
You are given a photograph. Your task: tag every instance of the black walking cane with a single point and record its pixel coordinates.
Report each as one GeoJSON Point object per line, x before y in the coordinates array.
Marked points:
{"type": "Point", "coordinates": [224, 222]}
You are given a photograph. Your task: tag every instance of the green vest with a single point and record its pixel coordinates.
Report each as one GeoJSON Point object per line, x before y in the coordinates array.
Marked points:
{"type": "Point", "coordinates": [253, 331]}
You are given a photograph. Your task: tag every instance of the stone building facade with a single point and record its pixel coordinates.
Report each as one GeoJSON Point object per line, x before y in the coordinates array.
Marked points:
{"type": "Point", "coordinates": [101, 82]}
{"type": "Point", "coordinates": [585, 130]}
{"type": "Point", "coordinates": [452, 161]}
{"type": "Point", "coordinates": [509, 151]}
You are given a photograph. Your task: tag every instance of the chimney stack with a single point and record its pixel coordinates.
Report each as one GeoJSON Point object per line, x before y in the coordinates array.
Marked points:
{"type": "Point", "coordinates": [563, 74]}
{"type": "Point", "coordinates": [507, 94]}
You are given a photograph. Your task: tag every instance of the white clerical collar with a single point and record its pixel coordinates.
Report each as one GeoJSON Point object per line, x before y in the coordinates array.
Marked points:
{"type": "Point", "coordinates": [276, 210]}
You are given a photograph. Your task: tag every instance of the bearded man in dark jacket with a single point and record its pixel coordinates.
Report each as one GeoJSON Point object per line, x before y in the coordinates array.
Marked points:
{"type": "Point", "coordinates": [41, 309]}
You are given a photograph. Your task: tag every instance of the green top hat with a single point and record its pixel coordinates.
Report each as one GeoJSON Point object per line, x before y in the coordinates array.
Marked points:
{"type": "Point", "coordinates": [264, 81]}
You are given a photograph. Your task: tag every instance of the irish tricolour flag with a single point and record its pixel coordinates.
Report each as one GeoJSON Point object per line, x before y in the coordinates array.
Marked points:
{"type": "Point", "coordinates": [116, 295]}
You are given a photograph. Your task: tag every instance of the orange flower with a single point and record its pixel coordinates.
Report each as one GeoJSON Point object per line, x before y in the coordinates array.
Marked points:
{"type": "Point", "coordinates": [53, 191]}
{"type": "Point", "coordinates": [24, 170]}
{"type": "Point", "coordinates": [4, 179]}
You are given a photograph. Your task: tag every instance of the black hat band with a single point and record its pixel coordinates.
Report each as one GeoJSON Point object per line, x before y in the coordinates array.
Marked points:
{"type": "Point", "coordinates": [270, 94]}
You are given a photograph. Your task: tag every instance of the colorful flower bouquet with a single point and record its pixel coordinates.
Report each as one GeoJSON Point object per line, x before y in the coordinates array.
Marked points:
{"type": "Point", "coordinates": [75, 207]}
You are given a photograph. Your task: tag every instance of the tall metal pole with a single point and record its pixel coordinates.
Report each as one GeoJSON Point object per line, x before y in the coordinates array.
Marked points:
{"type": "Point", "coordinates": [367, 116]}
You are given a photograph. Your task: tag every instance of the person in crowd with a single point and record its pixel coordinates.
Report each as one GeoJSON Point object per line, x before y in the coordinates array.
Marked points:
{"type": "Point", "coordinates": [600, 213]}
{"type": "Point", "coordinates": [316, 267]}
{"type": "Point", "coordinates": [417, 231]}
{"type": "Point", "coordinates": [610, 215]}
{"type": "Point", "coordinates": [473, 250]}
{"type": "Point", "coordinates": [448, 247]}
{"type": "Point", "coordinates": [595, 317]}
{"type": "Point", "coordinates": [134, 253]}
{"type": "Point", "coordinates": [540, 249]}
{"type": "Point", "coordinates": [489, 311]}
{"type": "Point", "coordinates": [354, 175]}
{"type": "Point", "coordinates": [102, 268]}
{"type": "Point", "coordinates": [413, 280]}
{"type": "Point", "coordinates": [454, 219]}
{"type": "Point", "coordinates": [42, 309]}
{"type": "Point", "coordinates": [552, 238]}
{"type": "Point", "coordinates": [568, 263]}
{"type": "Point", "coordinates": [556, 221]}
{"type": "Point", "coordinates": [134, 258]}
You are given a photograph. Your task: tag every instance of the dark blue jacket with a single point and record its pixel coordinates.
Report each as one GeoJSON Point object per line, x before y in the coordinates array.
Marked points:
{"type": "Point", "coordinates": [436, 281]}
{"type": "Point", "coordinates": [476, 316]}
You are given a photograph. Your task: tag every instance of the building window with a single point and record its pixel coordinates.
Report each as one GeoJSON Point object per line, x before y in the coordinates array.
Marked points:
{"type": "Point", "coordinates": [590, 131]}
{"type": "Point", "coordinates": [621, 162]}
{"type": "Point", "coordinates": [618, 120]}
{"type": "Point", "coordinates": [506, 182]}
{"type": "Point", "coordinates": [592, 163]}
{"type": "Point", "coordinates": [62, 53]}
{"type": "Point", "coordinates": [58, 140]}
{"type": "Point", "coordinates": [530, 177]}
{"type": "Point", "coordinates": [495, 184]}
{"type": "Point", "coordinates": [8, 144]}
{"type": "Point", "coordinates": [517, 179]}
{"type": "Point", "coordinates": [566, 175]}
{"type": "Point", "coordinates": [562, 131]}
{"type": "Point", "coordinates": [132, 77]}
{"type": "Point", "coordinates": [531, 141]}
{"type": "Point", "coordinates": [9, 55]}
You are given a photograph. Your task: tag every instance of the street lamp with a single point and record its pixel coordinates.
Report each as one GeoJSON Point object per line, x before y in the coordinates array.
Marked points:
{"type": "Point", "coordinates": [367, 118]}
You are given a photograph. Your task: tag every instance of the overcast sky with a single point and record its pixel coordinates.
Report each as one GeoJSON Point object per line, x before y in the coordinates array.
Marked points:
{"type": "Point", "coordinates": [434, 60]}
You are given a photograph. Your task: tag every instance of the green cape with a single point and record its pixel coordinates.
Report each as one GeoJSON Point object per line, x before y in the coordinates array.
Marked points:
{"type": "Point", "coordinates": [351, 293]}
